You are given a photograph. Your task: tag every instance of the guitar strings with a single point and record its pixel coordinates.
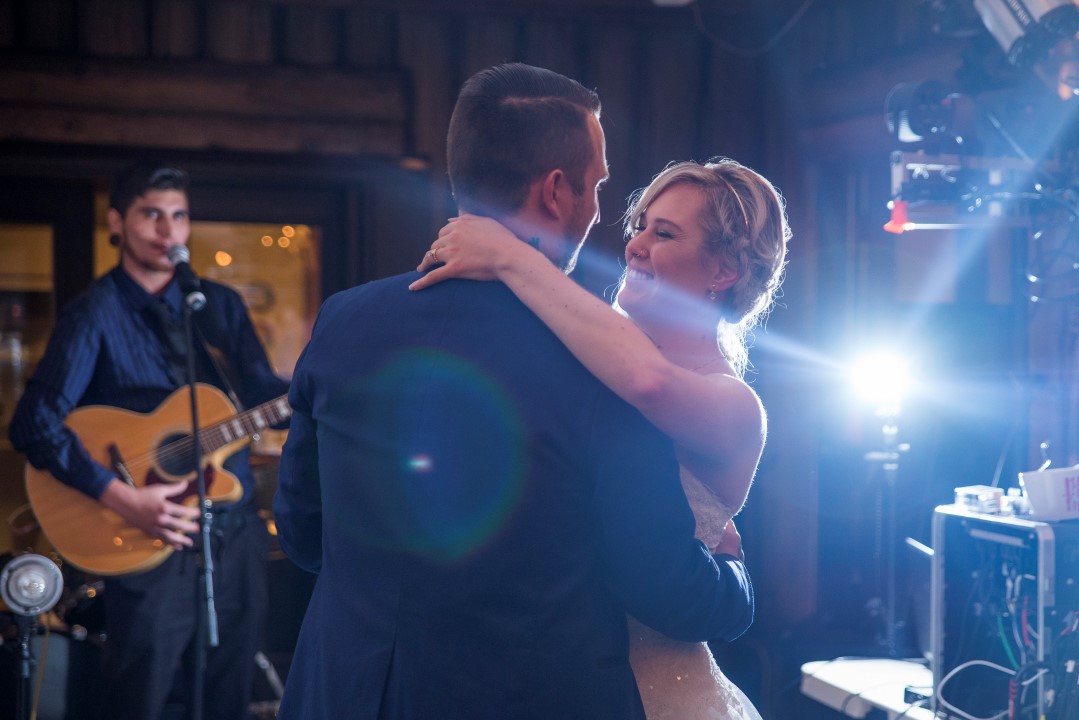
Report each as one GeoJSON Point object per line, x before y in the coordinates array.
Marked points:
{"type": "Point", "coordinates": [183, 446]}
{"type": "Point", "coordinates": [173, 450]}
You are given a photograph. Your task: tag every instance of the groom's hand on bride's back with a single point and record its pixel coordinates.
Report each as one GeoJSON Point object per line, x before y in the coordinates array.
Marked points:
{"type": "Point", "coordinates": [730, 543]}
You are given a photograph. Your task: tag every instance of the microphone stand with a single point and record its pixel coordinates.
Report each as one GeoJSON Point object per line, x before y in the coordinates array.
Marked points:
{"type": "Point", "coordinates": [27, 667]}
{"type": "Point", "coordinates": [206, 613]}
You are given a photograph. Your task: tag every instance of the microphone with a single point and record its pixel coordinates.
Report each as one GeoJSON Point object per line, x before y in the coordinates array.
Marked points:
{"type": "Point", "coordinates": [180, 257]}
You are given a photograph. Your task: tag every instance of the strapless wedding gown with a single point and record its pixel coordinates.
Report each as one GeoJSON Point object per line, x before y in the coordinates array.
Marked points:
{"type": "Point", "coordinates": [678, 680]}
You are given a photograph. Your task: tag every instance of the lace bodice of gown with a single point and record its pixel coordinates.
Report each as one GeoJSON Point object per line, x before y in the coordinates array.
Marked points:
{"type": "Point", "coordinates": [708, 510]}
{"type": "Point", "coordinates": [678, 680]}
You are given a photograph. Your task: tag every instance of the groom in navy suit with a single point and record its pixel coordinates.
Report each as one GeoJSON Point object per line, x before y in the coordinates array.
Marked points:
{"type": "Point", "coordinates": [480, 510]}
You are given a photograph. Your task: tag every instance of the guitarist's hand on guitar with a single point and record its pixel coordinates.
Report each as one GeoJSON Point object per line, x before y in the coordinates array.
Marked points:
{"type": "Point", "coordinates": [146, 519]}
{"type": "Point", "coordinates": [149, 509]}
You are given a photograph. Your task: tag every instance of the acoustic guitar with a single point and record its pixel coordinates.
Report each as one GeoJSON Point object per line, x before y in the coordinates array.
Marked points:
{"type": "Point", "coordinates": [143, 449]}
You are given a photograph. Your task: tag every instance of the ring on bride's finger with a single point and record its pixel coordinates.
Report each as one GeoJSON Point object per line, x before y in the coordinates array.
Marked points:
{"type": "Point", "coordinates": [433, 252]}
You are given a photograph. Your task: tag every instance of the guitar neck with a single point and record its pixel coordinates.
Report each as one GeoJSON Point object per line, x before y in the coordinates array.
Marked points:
{"type": "Point", "coordinates": [245, 424]}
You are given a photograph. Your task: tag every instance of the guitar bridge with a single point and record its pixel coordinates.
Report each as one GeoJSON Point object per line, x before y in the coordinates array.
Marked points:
{"type": "Point", "coordinates": [118, 465]}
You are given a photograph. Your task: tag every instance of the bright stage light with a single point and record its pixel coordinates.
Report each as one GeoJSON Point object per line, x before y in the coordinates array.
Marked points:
{"type": "Point", "coordinates": [881, 379]}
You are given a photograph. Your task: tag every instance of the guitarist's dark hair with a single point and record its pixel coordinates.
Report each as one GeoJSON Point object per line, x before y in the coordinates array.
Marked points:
{"type": "Point", "coordinates": [137, 179]}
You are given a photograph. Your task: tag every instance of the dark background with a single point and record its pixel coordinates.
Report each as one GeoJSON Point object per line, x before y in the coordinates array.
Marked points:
{"type": "Point", "coordinates": [334, 112]}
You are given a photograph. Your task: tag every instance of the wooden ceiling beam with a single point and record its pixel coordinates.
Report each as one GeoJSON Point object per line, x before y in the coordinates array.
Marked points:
{"type": "Point", "coordinates": [194, 105]}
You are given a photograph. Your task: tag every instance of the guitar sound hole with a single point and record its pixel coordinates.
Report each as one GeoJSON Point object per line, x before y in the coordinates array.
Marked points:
{"type": "Point", "coordinates": [176, 455]}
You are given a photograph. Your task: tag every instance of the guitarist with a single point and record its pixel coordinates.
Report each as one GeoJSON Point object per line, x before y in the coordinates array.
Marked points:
{"type": "Point", "coordinates": [121, 344]}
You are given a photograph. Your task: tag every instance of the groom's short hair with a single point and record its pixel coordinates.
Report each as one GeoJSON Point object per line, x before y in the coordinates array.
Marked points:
{"type": "Point", "coordinates": [511, 124]}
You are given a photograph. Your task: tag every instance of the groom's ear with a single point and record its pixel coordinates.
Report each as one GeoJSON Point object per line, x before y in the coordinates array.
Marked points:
{"type": "Point", "coordinates": [555, 193]}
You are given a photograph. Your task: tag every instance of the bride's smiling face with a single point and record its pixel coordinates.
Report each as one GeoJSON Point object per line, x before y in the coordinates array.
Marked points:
{"type": "Point", "coordinates": [668, 270]}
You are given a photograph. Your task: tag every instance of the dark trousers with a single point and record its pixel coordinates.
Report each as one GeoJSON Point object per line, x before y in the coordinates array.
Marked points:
{"type": "Point", "coordinates": [150, 620]}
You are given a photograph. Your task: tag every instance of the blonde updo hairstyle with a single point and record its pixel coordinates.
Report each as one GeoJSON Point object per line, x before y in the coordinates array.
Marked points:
{"type": "Point", "coordinates": [745, 225]}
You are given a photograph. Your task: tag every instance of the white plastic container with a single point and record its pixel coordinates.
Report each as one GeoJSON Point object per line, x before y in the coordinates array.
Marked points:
{"type": "Point", "coordinates": [1053, 494]}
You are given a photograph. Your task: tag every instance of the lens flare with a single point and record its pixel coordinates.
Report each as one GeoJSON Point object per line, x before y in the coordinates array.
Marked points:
{"type": "Point", "coordinates": [441, 451]}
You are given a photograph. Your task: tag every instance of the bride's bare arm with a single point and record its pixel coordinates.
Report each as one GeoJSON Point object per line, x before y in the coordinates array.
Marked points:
{"type": "Point", "coordinates": [717, 419]}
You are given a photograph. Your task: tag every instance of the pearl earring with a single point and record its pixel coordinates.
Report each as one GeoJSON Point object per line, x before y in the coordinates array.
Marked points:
{"type": "Point", "coordinates": [712, 295]}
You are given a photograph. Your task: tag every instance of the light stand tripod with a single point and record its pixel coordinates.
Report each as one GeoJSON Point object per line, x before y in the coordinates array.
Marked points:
{"type": "Point", "coordinates": [888, 458]}
{"type": "Point", "coordinates": [881, 380]}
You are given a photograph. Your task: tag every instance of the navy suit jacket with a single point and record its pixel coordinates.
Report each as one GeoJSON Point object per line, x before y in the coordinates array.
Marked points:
{"type": "Point", "coordinates": [481, 513]}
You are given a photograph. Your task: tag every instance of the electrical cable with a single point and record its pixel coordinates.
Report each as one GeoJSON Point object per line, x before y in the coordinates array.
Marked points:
{"type": "Point", "coordinates": [917, 703]}
{"type": "Point", "coordinates": [745, 52]}
{"type": "Point", "coordinates": [1006, 447]}
{"type": "Point", "coordinates": [1065, 653]}
{"type": "Point", "coordinates": [1004, 642]}
{"type": "Point", "coordinates": [1019, 640]}
{"type": "Point", "coordinates": [1041, 667]}
{"type": "Point", "coordinates": [1058, 199]}
{"type": "Point", "coordinates": [1026, 624]}
{"type": "Point", "coordinates": [961, 713]}
{"type": "Point", "coordinates": [978, 594]}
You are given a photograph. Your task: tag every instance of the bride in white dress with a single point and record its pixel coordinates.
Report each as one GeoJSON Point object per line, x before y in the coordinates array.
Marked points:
{"type": "Point", "coordinates": [678, 680]}
{"type": "Point", "coordinates": [704, 259]}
